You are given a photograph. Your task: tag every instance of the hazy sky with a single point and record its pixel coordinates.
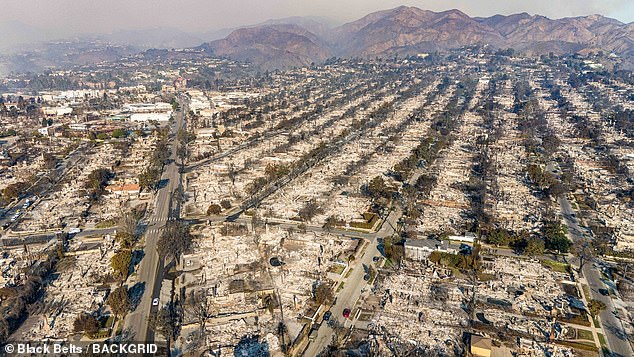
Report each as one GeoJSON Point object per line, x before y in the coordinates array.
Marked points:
{"type": "Point", "coordinates": [80, 16]}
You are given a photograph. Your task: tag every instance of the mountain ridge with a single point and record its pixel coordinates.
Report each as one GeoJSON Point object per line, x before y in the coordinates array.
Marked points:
{"type": "Point", "coordinates": [408, 30]}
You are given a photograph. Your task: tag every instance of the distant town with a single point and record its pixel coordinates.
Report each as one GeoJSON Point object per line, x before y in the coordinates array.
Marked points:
{"type": "Point", "coordinates": [472, 202]}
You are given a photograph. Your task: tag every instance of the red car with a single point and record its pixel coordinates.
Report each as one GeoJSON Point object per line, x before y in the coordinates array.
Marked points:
{"type": "Point", "coordinates": [346, 312]}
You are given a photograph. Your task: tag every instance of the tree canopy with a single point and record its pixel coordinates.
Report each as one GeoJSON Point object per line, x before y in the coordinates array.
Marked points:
{"type": "Point", "coordinates": [120, 263]}
{"type": "Point", "coordinates": [119, 301]}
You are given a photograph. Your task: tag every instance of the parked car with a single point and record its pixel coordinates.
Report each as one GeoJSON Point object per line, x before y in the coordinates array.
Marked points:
{"type": "Point", "coordinates": [604, 292]}
{"type": "Point", "coordinates": [346, 312]}
{"type": "Point", "coordinates": [155, 302]}
{"type": "Point", "coordinates": [327, 315]}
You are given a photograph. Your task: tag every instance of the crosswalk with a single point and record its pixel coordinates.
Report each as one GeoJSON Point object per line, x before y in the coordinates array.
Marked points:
{"type": "Point", "coordinates": [155, 219]}
{"type": "Point", "coordinates": [155, 230]}
{"type": "Point", "coordinates": [157, 224]}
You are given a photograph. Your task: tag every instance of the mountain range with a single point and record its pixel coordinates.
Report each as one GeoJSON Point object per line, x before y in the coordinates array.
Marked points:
{"type": "Point", "coordinates": [299, 41]}
{"type": "Point", "coordinates": [410, 30]}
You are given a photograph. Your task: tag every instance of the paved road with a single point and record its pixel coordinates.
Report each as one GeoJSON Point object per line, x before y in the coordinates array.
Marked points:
{"type": "Point", "coordinates": [612, 326]}
{"type": "Point", "coordinates": [150, 269]}
{"type": "Point", "coordinates": [348, 296]}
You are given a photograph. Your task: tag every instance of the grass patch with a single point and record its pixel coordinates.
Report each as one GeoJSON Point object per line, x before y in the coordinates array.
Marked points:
{"type": "Point", "coordinates": [388, 263]}
{"type": "Point", "coordinates": [576, 320]}
{"type": "Point", "coordinates": [602, 340]}
{"type": "Point", "coordinates": [348, 273]}
{"type": "Point", "coordinates": [336, 268]}
{"type": "Point", "coordinates": [119, 326]}
{"type": "Point", "coordinates": [579, 345]}
{"type": "Point", "coordinates": [365, 317]}
{"type": "Point", "coordinates": [584, 335]}
{"type": "Point", "coordinates": [556, 266]}
{"type": "Point", "coordinates": [107, 223]}
{"type": "Point", "coordinates": [340, 287]}
{"type": "Point", "coordinates": [101, 334]}
{"type": "Point", "coordinates": [596, 322]}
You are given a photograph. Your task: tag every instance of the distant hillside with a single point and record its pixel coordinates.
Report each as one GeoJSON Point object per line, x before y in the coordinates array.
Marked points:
{"type": "Point", "coordinates": [410, 30]}
{"type": "Point", "coordinates": [594, 32]}
{"type": "Point", "coordinates": [271, 46]}
{"type": "Point", "coordinates": [407, 30]}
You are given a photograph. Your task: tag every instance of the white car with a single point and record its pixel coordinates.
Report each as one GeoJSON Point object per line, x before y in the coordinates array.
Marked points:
{"type": "Point", "coordinates": [155, 302]}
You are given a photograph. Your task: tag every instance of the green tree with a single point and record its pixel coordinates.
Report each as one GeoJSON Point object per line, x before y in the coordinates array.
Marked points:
{"type": "Point", "coordinates": [558, 243]}
{"type": "Point", "coordinates": [119, 133]}
{"type": "Point", "coordinates": [394, 249]}
{"type": "Point", "coordinates": [119, 301]}
{"type": "Point", "coordinates": [499, 237]}
{"type": "Point", "coordinates": [556, 238]}
{"type": "Point", "coordinates": [175, 104]}
{"type": "Point", "coordinates": [534, 246]}
{"type": "Point", "coordinates": [120, 263]}
{"type": "Point", "coordinates": [126, 239]}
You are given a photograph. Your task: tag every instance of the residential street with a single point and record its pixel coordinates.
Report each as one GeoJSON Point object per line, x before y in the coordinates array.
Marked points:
{"type": "Point", "coordinates": [612, 326]}
{"type": "Point", "coordinates": [150, 270]}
